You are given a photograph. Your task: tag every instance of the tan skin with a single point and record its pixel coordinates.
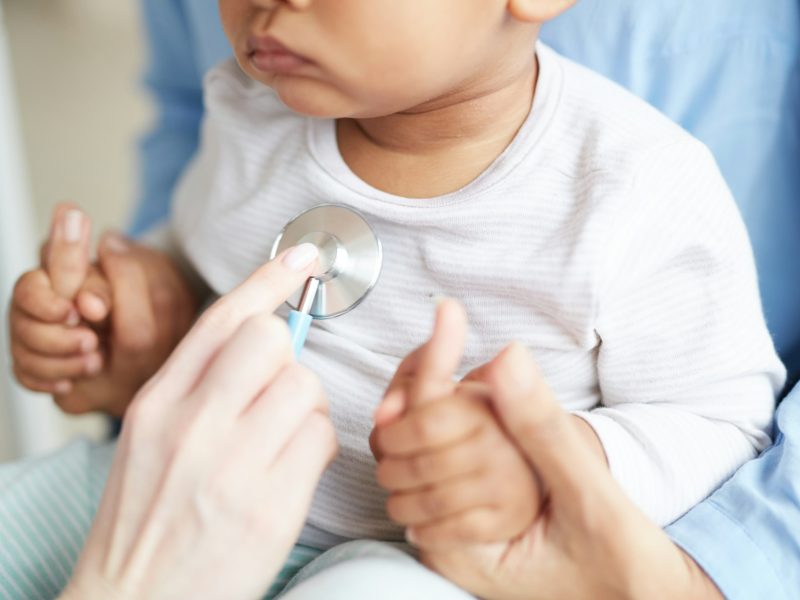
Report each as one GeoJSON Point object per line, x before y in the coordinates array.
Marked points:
{"type": "Point", "coordinates": [92, 334]}
{"type": "Point", "coordinates": [583, 539]}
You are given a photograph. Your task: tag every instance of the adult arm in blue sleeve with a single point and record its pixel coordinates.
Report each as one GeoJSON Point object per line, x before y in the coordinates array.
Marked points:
{"type": "Point", "coordinates": [174, 80]}
{"type": "Point", "coordinates": [746, 536]}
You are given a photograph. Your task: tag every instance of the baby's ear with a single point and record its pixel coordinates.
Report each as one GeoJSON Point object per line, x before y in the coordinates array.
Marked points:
{"type": "Point", "coordinates": [538, 11]}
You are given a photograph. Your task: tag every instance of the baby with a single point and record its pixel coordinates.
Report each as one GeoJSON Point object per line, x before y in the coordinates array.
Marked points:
{"type": "Point", "coordinates": [561, 210]}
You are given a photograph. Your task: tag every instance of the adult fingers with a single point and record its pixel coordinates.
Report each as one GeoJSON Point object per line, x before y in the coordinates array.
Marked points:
{"type": "Point", "coordinates": [266, 426]}
{"type": "Point", "coordinates": [245, 366]}
{"type": "Point", "coordinates": [67, 260]}
{"type": "Point", "coordinates": [441, 355]}
{"type": "Point", "coordinates": [132, 319]}
{"type": "Point", "coordinates": [537, 424]}
{"type": "Point", "coordinates": [262, 292]}
{"type": "Point", "coordinates": [50, 339]}
{"type": "Point", "coordinates": [34, 295]}
{"type": "Point", "coordinates": [300, 464]}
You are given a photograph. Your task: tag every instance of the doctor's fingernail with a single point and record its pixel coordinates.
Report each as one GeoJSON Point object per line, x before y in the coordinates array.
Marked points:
{"type": "Point", "coordinates": [299, 257]}
{"type": "Point", "coordinates": [72, 226]}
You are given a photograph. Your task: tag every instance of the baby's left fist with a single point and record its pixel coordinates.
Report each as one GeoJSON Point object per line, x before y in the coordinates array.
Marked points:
{"type": "Point", "coordinates": [454, 476]}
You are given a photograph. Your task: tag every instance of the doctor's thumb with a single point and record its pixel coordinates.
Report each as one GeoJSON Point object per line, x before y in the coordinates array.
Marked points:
{"type": "Point", "coordinates": [540, 428]}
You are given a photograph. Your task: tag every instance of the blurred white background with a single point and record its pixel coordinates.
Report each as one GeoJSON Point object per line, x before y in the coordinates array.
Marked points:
{"type": "Point", "coordinates": [74, 103]}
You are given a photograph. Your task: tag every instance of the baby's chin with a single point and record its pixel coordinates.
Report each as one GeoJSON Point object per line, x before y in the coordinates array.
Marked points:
{"type": "Point", "coordinates": [313, 98]}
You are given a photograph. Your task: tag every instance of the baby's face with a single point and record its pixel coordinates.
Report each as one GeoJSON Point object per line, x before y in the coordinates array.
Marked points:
{"type": "Point", "coordinates": [368, 58]}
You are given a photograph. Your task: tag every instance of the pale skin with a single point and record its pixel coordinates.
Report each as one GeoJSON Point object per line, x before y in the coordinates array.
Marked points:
{"type": "Point", "coordinates": [218, 458]}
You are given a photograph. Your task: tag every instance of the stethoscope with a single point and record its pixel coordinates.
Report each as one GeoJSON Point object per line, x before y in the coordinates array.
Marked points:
{"type": "Point", "coordinates": [351, 258]}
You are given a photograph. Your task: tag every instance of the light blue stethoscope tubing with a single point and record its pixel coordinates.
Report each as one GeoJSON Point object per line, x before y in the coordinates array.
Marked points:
{"type": "Point", "coordinates": [299, 324]}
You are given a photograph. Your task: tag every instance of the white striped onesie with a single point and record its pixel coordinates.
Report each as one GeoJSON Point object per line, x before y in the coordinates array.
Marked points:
{"type": "Point", "coordinates": [604, 238]}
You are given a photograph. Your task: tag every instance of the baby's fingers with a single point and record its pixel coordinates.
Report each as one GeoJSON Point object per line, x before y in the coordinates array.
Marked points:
{"type": "Point", "coordinates": [34, 295]}
{"type": "Point", "coordinates": [441, 355]}
{"type": "Point", "coordinates": [94, 297]}
{"type": "Point", "coordinates": [67, 252]}
{"type": "Point", "coordinates": [47, 368]}
{"type": "Point", "coordinates": [402, 474]}
{"type": "Point", "coordinates": [433, 426]}
{"type": "Point", "coordinates": [50, 339]}
{"type": "Point", "coordinates": [441, 501]}
{"type": "Point", "coordinates": [63, 386]}
{"type": "Point", "coordinates": [478, 526]}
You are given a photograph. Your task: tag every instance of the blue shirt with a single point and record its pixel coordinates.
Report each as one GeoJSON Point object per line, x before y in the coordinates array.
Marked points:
{"type": "Point", "coordinates": [728, 71]}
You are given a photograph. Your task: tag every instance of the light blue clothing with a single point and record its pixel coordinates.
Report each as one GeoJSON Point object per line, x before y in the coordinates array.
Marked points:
{"type": "Point", "coordinates": [728, 71]}
{"type": "Point", "coordinates": [747, 535]}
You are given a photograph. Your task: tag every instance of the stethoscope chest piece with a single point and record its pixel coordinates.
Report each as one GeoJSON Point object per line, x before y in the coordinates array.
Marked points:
{"type": "Point", "coordinates": [350, 254]}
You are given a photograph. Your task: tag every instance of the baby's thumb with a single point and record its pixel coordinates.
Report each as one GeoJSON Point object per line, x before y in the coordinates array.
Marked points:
{"type": "Point", "coordinates": [94, 297]}
{"type": "Point", "coordinates": [441, 355]}
{"type": "Point", "coordinates": [537, 424]}
{"type": "Point", "coordinates": [67, 250]}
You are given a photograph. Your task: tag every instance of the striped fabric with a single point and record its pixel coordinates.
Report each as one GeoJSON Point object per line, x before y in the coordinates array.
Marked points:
{"type": "Point", "coordinates": [604, 238]}
{"type": "Point", "coordinates": [46, 509]}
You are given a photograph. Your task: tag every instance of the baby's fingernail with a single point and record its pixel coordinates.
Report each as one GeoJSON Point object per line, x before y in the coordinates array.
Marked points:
{"type": "Point", "coordinates": [94, 364]}
{"type": "Point", "coordinates": [411, 536]}
{"type": "Point", "coordinates": [115, 243]}
{"type": "Point", "coordinates": [72, 226]}
{"type": "Point", "coordinates": [87, 345]}
{"type": "Point", "coordinates": [299, 257]}
{"type": "Point", "coordinates": [94, 304]}
{"type": "Point", "coordinates": [73, 318]}
{"type": "Point", "coordinates": [62, 387]}
{"type": "Point", "coordinates": [388, 409]}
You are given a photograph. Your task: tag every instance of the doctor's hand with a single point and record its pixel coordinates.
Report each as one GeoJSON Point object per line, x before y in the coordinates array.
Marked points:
{"type": "Point", "coordinates": [92, 334]}
{"type": "Point", "coordinates": [453, 476]}
{"type": "Point", "coordinates": [590, 541]}
{"type": "Point", "coordinates": [218, 457]}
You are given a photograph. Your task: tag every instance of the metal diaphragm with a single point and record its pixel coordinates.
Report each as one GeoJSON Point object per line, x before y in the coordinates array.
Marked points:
{"type": "Point", "coordinates": [350, 254]}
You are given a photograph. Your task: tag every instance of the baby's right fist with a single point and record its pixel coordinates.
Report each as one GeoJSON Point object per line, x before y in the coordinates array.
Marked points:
{"type": "Point", "coordinates": [48, 347]}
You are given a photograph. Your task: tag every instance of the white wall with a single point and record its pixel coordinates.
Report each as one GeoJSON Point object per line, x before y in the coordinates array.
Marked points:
{"type": "Point", "coordinates": [75, 66]}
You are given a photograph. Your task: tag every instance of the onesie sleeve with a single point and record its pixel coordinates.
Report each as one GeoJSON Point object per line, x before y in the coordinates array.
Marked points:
{"type": "Point", "coordinates": [688, 373]}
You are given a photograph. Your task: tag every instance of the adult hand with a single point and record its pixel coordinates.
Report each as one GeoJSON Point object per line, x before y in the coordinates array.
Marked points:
{"type": "Point", "coordinates": [91, 335]}
{"type": "Point", "coordinates": [590, 541]}
{"type": "Point", "coordinates": [218, 458]}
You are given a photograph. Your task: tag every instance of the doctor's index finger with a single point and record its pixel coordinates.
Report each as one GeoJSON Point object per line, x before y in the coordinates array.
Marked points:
{"type": "Point", "coordinates": [263, 292]}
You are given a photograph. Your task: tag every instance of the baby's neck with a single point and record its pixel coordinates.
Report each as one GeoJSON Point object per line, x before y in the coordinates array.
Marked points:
{"type": "Point", "coordinates": [443, 145]}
